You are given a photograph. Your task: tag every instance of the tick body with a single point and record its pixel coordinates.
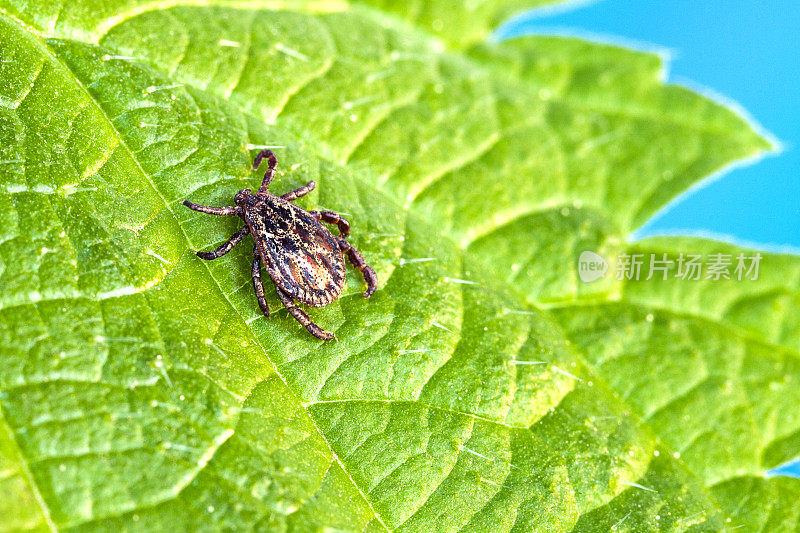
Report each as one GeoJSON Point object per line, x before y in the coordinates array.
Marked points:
{"type": "Point", "coordinates": [303, 258]}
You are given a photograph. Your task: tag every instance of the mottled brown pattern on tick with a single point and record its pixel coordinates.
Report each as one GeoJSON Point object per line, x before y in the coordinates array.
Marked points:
{"type": "Point", "coordinates": [303, 258]}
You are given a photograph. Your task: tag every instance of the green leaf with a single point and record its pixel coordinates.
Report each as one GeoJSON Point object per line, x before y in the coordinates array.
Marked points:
{"type": "Point", "coordinates": [458, 25]}
{"type": "Point", "coordinates": [767, 310]}
{"type": "Point", "coordinates": [482, 387]}
{"type": "Point", "coordinates": [724, 395]}
{"type": "Point", "coordinates": [20, 506]}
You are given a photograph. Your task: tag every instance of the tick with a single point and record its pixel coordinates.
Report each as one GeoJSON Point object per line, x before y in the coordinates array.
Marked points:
{"type": "Point", "coordinates": [303, 258]}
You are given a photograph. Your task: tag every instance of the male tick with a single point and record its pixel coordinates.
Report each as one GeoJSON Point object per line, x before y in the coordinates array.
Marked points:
{"type": "Point", "coordinates": [303, 258]}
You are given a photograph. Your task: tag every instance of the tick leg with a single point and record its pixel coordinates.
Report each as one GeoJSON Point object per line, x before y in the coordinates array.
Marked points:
{"type": "Point", "coordinates": [226, 247]}
{"type": "Point", "coordinates": [221, 211]}
{"type": "Point", "coordinates": [357, 260]}
{"type": "Point", "coordinates": [257, 285]}
{"type": "Point", "coordinates": [300, 191]}
{"type": "Point", "coordinates": [270, 173]}
{"type": "Point", "coordinates": [302, 317]}
{"type": "Point", "coordinates": [332, 217]}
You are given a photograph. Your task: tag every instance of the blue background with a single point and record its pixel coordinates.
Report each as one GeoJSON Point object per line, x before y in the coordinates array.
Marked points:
{"type": "Point", "coordinates": [746, 51]}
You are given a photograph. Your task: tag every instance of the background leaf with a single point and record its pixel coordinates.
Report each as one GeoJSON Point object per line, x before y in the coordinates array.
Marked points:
{"type": "Point", "coordinates": [482, 387]}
